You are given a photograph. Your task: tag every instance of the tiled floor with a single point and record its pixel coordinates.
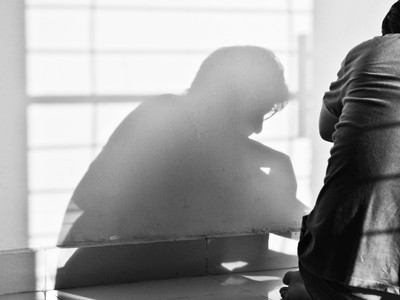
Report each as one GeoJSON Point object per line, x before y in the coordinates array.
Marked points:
{"type": "Point", "coordinates": [241, 286]}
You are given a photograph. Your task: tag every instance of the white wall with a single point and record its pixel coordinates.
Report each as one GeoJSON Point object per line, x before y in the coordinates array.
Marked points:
{"type": "Point", "coordinates": [338, 26]}
{"type": "Point", "coordinates": [13, 191]}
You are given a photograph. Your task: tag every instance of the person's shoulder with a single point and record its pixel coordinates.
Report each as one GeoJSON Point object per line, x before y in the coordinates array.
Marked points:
{"type": "Point", "coordinates": [388, 42]}
{"type": "Point", "coordinates": [388, 38]}
{"type": "Point", "coordinates": [375, 49]}
{"type": "Point", "coordinates": [365, 46]}
{"type": "Point", "coordinates": [383, 43]}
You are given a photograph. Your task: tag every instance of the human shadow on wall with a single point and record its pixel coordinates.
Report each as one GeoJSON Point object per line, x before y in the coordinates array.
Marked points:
{"type": "Point", "coordinates": [184, 166]}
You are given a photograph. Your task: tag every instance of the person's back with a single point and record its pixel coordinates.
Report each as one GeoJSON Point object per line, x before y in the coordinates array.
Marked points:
{"type": "Point", "coordinates": [350, 243]}
{"type": "Point", "coordinates": [357, 212]}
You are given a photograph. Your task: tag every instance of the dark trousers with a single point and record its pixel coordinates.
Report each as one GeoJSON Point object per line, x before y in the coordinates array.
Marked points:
{"type": "Point", "coordinates": [322, 289]}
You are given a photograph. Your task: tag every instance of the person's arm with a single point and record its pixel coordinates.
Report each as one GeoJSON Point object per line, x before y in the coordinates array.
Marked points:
{"type": "Point", "coordinates": [327, 122]}
{"type": "Point", "coordinates": [332, 106]}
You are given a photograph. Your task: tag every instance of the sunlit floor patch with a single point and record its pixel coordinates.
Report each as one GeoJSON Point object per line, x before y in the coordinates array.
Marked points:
{"type": "Point", "coordinates": [230, 266]}
{"type": "Point", "coordinates": [266, 170]}
{"type": "Point", "coordinates": [282, 244]}
{"type": "Point", "coordinates": [261, 278]}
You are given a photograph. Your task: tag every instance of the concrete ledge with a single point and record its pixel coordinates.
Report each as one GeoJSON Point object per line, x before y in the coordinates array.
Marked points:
{"type": "Point", "coordinates": [126, 263]}
{"type": "Point", "coordinates": [22, 271]}
{"type": "Point", "coordinates": [29, 270]}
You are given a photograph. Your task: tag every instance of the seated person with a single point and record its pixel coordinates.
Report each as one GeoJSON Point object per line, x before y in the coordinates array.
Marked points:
{"type": "Point", "coordinates": [350, 242]}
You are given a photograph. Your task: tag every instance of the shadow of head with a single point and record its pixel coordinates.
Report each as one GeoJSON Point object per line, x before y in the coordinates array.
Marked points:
{"type": "Point", "coordinates": [247, 81]}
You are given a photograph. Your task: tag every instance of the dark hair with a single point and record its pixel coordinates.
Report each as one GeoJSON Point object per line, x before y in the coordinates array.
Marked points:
{"type": "Point", "coordinates": [242, 72]}
{"type": "Point", "coordinates": [391, 22]}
